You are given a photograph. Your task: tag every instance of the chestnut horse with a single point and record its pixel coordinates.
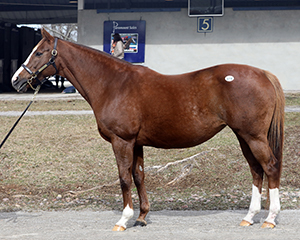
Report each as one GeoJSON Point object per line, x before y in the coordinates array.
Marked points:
{"type": "Point", "coordinates": [135, 106]}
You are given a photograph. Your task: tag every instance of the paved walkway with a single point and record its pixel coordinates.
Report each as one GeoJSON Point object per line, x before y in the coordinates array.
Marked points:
{"type": "Point", "coordinates": [34, 113]}
{"type": "Point", "coordinates": [39, 96]}
{"type": "Point", "coordinates": [292, 109]}
{"type": "Point", "coordinates": [163, 225]}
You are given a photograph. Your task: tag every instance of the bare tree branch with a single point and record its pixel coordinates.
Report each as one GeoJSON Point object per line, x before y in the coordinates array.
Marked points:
{"type": "Point", "coordinates": [186, 170]}
{"type": "Point", "coordinates": [160, 168]}
{"type": "Point", "coordinates": [94, 188]}
{"type": "Point", "coordinates": [64, 31]}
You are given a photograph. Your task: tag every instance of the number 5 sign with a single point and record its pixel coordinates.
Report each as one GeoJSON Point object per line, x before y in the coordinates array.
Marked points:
{"type": "Point", "coordinates": [205, 24]}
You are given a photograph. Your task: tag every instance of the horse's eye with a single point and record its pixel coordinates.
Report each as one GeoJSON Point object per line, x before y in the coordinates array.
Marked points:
{"type": "Point", "coordinates": [38, 54]}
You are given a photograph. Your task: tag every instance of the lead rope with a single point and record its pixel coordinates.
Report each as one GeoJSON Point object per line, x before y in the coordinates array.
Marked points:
{"type": "Point", "coordinates": [16, 123]}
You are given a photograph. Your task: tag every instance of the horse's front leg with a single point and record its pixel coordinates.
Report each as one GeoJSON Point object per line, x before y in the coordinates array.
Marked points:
{"type": "Point", "coordinates": [138, 176]}
{"type": "Point", "coordinates": [123, 151]}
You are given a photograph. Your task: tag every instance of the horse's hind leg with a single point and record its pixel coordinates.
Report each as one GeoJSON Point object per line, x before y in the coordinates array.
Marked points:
{"type": "Point", "coordinates": [257, 174]}
{"type": "Point", "coordinates": [138, 176]}
{"type": "Point", "coordinates": [272, 167]}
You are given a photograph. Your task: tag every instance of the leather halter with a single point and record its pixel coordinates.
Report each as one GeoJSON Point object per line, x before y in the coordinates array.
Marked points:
{"type": "Point", "coordinates": [50, 62]}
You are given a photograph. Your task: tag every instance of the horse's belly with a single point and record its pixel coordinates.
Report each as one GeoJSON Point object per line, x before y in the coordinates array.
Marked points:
{"type": "Point", "coordinates": [177, 137]}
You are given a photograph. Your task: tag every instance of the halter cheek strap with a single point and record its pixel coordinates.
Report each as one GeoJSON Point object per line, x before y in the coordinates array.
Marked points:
{"type": "Point", "coordinates": [50, 62]}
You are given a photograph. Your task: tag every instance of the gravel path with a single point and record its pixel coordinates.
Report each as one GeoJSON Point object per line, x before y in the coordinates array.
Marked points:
{"type": "Point", "coordinates": [161, 225]}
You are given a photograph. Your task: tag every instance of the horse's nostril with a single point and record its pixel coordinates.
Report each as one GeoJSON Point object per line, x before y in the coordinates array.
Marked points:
{"type": "Point", "coordinates": [16, 78]}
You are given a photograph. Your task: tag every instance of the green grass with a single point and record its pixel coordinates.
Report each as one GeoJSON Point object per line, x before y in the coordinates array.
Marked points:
{"type": "Point", "coordinates": [42, 105]}
{"type": "Point", "coordinates": [292, 99]}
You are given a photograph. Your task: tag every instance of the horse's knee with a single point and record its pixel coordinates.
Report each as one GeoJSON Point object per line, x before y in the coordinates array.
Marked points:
{"type": "Point", "coordinates": [125, 182]}
{"type": "Point", "coordinates": [138, 180]}
{"type": "Point", "coordinates": [138, 176]}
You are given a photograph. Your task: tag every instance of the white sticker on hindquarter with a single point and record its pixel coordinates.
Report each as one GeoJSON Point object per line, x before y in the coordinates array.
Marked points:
{"type": "Point", "coordinates": [141, 168]}
{"type": "Point", "coordinates": [229, 78]}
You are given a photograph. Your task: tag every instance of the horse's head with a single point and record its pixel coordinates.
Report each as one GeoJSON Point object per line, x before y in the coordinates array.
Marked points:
{"type": "Point", "coordinates": [39, 64]}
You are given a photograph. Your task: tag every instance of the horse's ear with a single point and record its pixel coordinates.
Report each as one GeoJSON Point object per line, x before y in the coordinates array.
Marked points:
{"type": "Point", "coordinates": [46, 35]}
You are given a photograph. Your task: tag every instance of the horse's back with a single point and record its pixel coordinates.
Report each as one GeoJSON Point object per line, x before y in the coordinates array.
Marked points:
{"type": "Point", "coordinates": [222, 85]}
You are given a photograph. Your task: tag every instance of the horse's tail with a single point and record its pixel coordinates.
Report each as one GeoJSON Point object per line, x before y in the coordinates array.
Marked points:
{"type": "Point", "coordinates": [276, 130]}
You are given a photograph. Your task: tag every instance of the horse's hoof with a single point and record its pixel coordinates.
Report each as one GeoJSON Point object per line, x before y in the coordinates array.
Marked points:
{"type": "Point", "coordinates": [140, 222]}
{"type": "Point", "coordinates": [268, 225]}
{"type": "Point", "coordinates": [245, 223]}
{"type": "Point", "coordinates": [118, 228]}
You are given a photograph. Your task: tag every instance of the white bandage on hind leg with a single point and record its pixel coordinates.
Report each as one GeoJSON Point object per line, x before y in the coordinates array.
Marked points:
{"type": "Point", "coordinates": [255, 205]}
{"type": "Point", "coordinates": [274, 205]}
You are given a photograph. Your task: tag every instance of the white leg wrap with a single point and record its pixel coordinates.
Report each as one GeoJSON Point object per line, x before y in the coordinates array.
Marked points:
{"type": "Point", "coordinates": [126, 215]}
{"type": "Point", "coordinates": [274, 205]}
{"type": "Point", "coordinates": [255, 205]}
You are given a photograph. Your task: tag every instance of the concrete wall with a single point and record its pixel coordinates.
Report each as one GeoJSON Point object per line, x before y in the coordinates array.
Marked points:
{"type": "Point", "coordinates": [265, 39]}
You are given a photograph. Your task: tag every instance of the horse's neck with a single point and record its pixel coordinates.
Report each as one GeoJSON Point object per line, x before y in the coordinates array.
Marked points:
{"type": "Point", "coordinates": [88, 71]}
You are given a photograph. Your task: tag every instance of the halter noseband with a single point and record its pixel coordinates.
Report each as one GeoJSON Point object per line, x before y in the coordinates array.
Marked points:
{"type": "Point", "coordinates": [50, 62]}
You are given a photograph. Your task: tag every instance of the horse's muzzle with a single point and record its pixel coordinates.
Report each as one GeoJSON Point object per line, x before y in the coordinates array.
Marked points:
{"type": "Point", "coordinates": [20, 85]}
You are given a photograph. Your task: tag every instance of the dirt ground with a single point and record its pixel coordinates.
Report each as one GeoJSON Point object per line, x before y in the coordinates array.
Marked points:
{"type": "Point", "coordinates": [161, 225]}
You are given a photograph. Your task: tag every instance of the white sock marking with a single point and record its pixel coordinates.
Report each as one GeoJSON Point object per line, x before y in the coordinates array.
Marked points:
{"type": "Point", "coordinates": [126, 215]}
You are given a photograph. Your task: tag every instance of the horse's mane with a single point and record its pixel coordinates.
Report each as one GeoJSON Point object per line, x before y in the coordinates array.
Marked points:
{"type": "Point", "coordinates": [96, 52]}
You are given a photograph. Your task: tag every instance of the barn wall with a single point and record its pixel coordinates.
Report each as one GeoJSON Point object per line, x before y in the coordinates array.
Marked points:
{"type": "Point", "coordinates": [265, 39]}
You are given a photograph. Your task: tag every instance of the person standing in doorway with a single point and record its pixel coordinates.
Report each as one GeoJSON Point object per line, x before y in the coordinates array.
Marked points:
{"type": "Point", "coordinates": [118, 47]}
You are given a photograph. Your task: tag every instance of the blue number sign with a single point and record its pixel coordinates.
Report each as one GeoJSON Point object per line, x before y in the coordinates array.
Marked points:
{"type": "Point", "coordinates": [205, 24]}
